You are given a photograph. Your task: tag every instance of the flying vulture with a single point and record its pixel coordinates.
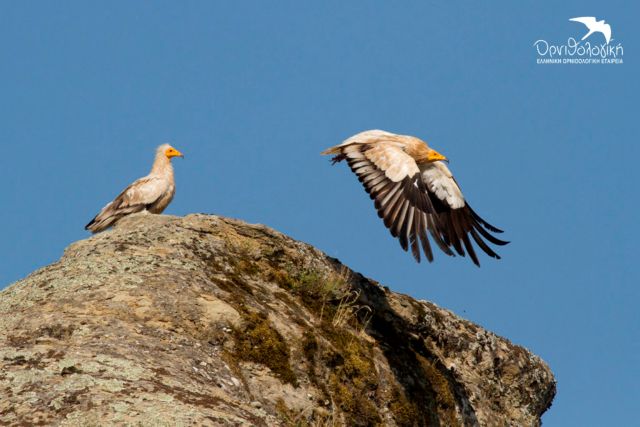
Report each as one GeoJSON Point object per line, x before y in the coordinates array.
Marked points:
{"type": "Point", "coordinates": [152, 193]}
{"type": "Point", "coordinates": [415, 193]}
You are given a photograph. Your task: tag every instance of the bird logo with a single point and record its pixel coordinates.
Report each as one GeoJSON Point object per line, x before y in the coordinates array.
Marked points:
{"type": "Point", "coordinates": [594, 26]}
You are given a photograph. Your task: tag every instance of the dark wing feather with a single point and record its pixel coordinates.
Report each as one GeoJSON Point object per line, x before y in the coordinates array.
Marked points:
{"type": "Point", "coordinates": [454, 225]}
{"type": "Point", "coordinates": [397, 203]}
{"type": "Point", "coordinates": [402, 205]}
{"type": "Point", "coordinates": [411, 211]}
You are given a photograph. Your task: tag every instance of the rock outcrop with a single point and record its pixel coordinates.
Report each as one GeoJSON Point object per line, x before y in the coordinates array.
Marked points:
{"type": "Point", "coordinates": [205, 320]}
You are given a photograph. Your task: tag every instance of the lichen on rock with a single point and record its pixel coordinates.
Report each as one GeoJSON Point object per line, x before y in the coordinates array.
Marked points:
{"type": "Point", "coordinates": [205, 320]}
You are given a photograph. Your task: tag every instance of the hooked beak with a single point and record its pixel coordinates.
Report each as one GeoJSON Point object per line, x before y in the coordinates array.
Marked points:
{"type": "Point", "coordinates": [172, 152]}
{"type": "Point", "coordinates": [434, 156]}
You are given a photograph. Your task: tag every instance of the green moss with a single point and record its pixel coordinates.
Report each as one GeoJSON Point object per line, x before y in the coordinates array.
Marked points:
{"type": "Point", "coordinates": [243, 258]}
{"type": "Point", "coordinates": [258, 341]}
{"type": "Point", "coordinates": [353, 383]}
{"type": "Point", "coordinates": [445, 400]}
{"type": "Point", "coordinates": [320, 294]}
{"type": "Point", "coordinates": [404, 411]}
{"type": "Point", "coordinates": [281, 278]}
{"type": "Point", "coordinates": [283, 411]}
{"type": "Point", "coordinates": [306, 418]}
{"type": "Point", "coordinates": [358, 409]}
{"type": "Point", "coordinates": [246, 266]}
{"type": "Point", "coordinates": [288, 415]}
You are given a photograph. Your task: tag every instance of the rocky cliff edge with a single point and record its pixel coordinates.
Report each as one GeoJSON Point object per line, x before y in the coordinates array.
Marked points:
{"type": "Point", "coordinates": [205, 320]}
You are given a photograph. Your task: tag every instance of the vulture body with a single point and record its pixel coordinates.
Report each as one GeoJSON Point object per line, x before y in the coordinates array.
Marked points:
{"type": "Point", "coordinates": [415, 194]}
{"type": "Point", "coordinates": [152, 193]}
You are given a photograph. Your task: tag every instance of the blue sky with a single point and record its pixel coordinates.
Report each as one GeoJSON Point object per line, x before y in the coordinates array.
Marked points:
{"type": "Point", "coordinates": [251, 93]}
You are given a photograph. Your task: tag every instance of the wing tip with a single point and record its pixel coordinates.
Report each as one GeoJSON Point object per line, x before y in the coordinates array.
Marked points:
{"type": "Point", "coordinates": [332, 150]}
{"type": "Point", "coordinates": [337, 158]}
{"type": "Point", "coordinates": [89, 224]}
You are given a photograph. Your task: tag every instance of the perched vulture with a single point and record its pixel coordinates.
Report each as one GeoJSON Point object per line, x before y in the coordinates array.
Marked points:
{"type": "Point", "coordinates": [414, 193]}
{"type": "Point", "coordinates": [153, 193]}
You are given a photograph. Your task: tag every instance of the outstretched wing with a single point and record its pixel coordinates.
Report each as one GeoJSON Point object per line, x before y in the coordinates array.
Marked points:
{"type": "Point", "coordinates": [412, 205]}
{"type": "Point", "coordinates": [457, 221]}
{"type": "Point", "coordinates": [135, 198]}
{"type": "Point", "coordinates": [589, 21]}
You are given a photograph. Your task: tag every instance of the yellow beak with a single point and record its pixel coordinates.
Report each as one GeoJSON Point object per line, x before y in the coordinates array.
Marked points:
{"type": "Point", "coordinates": [434, 156]}
{"type": "Point", "coordinates": [174, 153]}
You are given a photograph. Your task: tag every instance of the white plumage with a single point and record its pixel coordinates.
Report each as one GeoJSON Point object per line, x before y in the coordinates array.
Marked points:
{"type": "Point", "coordinates": [152, 193]}
{"type": "Point", "coordinates": [438, 178]}
{"type": "Point", "coordinates": [415, 193]}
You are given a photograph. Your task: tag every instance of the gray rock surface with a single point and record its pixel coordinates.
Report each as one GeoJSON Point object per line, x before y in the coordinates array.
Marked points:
{"type": "Point", "coordinates": [205, 320]}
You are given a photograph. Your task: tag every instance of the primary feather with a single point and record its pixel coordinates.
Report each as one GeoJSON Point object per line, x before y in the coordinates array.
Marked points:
{"type": "Point", "coordinates": [415, 193]}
